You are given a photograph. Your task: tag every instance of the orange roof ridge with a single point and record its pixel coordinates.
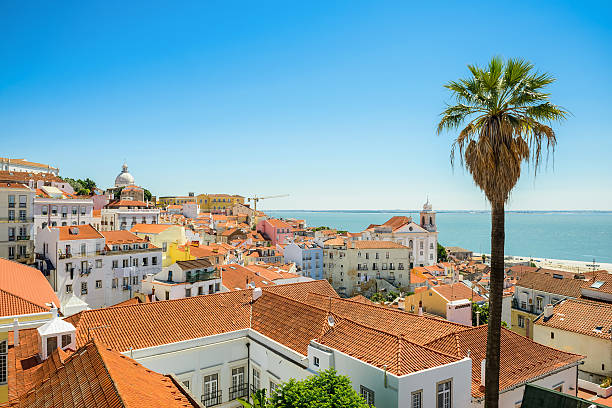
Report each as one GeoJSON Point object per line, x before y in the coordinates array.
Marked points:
{"type": "Point", "coordinates": [47, 308]}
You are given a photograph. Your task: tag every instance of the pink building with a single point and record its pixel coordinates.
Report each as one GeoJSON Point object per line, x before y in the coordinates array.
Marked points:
{"type": "Point", "coordinates": [277, 231]}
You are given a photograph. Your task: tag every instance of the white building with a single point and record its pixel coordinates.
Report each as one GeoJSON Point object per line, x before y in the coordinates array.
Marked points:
{"type": "Point", "coordinates": [124, 214]}
{"type": "Point", "coordinates": [7, 164]}
{"type": "Point", "coordinates": [191, 210]}
{"type": "Point", "coordinates": [421, 238]}
{"type": "Point", "coordinates": [54, 207]}
{"type": "Point", "coordinates": [100, 268]}
{"type": "Point", "coordinates": [183, 279]}
{"type": "Point", "coordinates": [225, 345]}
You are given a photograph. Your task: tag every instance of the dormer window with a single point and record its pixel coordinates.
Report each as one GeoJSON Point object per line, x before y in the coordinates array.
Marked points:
{"type": "Point", "coordinates": [135, 246]}
{"type": "Point", "coordinates": [126, 247]}
{"type": "Point", "coordinates": [115, 247]}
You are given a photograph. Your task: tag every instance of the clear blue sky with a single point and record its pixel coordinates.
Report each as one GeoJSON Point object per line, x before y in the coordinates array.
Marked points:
{"type": "Point", "coordinates": [334, 103]}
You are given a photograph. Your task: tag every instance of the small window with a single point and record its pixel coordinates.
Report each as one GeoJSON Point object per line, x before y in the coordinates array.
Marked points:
{"type": "Point", "coordinates": [521, 321]}
{"type": "Point", "coordinates": [98, 284]}
{"type": "Point", "coordinates": [416, 399]}
{"type": "Point", "coordinates": [83, 288]}
{"type": "Point", "coordinates": [66, 340]}
{"type": "Point", "coordinates": [3, 361]}
{"type": "Point", "coordinates": [316, 361]}
{"type": "Point", "coordinates": [367, 394]}
{"type": "Point", "coordinates": [443, 394]}
{"type": "Point", "coordinates": [68, 288]}
{"type": "Point", "coordinates": [186, 384]}
{"type": "Point", "coordinates": [273, 386]}
{"type": "Point", "coordinates": [188, 292]}
{"type": "Point", "coordinates": [552, 335]}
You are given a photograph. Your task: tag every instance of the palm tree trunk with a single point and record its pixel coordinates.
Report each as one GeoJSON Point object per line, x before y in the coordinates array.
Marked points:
{"type": "Point", "coordinates": [496, 288]}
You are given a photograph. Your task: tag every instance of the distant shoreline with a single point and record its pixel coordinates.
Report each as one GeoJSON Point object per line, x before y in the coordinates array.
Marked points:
{"type": "Point", "coordinates": [451, 211]}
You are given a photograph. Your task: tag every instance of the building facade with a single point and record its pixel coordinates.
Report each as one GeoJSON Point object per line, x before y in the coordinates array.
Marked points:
{"type": "Point", "coordinates": [54, 207]}
{"type": "Point", "coordinates": [183, 279]}
{"type": "Point", "coordinates": [7, 164]}
{"type": "Point", "coordinates": [276, 231]}
{"type": "Point", "coordinates": [124, 214]}
{"type": "Point", "coordinates": [99, 268]}
{"type": "Point", "coordinates": [16, 222]}
{"type": "Point", "coordinates": [308, 258]}
{"type": "Point", "coordinates": [353, 267]}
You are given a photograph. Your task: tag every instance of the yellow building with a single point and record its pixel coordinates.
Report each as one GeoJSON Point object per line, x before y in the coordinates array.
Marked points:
{"type": "Point", "coordinates": [435, 299]}
{"type": "Point", "coordinates": [27, 302]}
{"type": "Point", "coordinates": [162, 236]}
{"type": "Point", "coordinates": [218, 202]}
{"type": "Point", "coordinates": [175, 200]}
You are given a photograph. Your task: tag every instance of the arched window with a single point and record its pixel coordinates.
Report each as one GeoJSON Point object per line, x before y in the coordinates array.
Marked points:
{"type": "Point", "coordinates": [430, 221]}
{"type": "Point", "coordinates": [423, 220]}
{"type": "Point", "coordinates": [169, 276]}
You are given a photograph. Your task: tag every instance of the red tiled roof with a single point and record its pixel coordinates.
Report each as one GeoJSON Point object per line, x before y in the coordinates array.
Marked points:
{"type": "Point", "coordinates": [458, 291]}
{"type": "Point", "coordinates": [150, 228]}
{"type": "Point", "coordinates": [126, 203]}
{"type": "Point", "coordinates": [581, 316]}
{"type": "Point", "coordinates": [82, 232]}
{"type": "Point", "coordinates": [121, 237]}
{"type": "Point", "coordinates": [521, 359]}
{"type": "Point", "coordinates": [95, 376]}
{"type": "Point", "coordinates": [278, 223]}
{"type": "Point", "coordinates": [24, 290]}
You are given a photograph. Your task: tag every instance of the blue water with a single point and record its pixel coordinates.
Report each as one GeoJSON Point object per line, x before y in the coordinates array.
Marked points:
{"type": "Point", "coordinates": [574, 235]}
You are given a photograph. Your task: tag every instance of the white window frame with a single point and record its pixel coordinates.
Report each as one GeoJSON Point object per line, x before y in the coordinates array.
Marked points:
{"type": "Point", "coordinates": [367, 394]}
{"type": "Point", "coordinates": [444, 398]}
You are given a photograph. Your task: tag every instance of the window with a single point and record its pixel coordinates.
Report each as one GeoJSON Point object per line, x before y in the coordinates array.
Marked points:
{"type": "Point", "coordinates": [3, 361]}
{"type": "Point", "coordinates": [115, 264]}
{"type": "Point", "coordinates": [443, 394]}
{"type": "Point", "coordinates": [237, 377]}
{"type": "Point", "coordinates": [98, 263]}
{"type": "Point", "coordinates": [11, 215]}
{"type": "Point", "coordinates": [539, 303]}
{"type": "Point", "coordinates": [74, 211]}
{"type": "Point", "coordinates": [45, 209]}
{"type": "Point", "coordinates": [552, 335]}
{"type": "Point", "coordinates": [115, 282]}
{"type": "Point", "coordinates": [126, 263]}
{"type": "Point", "coordinates": [167, 295]}
{"type": "Point", "coordinates": [316, 361]}
{"type": "Point", "coordinates": [186, 384]}
{"type": "Point", "coordinates": [367, 394]}
{"type": "Point", "coordinates": [154, 260]}
{"type": "Point", "coordinates": [145, 261]}
{"type": "Point", "coordinates": [256, 379]}
{"type": "Point", "coordinates": [68, 288]}
{"type": "Point", "coordinates": [416, 399]}
{"type": "Point", "coordinates": [211, 390]}
{"type": "Point", "coordinates": [164, 246]}
{"type": "Point", "coordinates": [187, 292]}
{"type": "Point", "coordinates": [66, 340]}
{"type": "Point", "coordinates": [22, 215]}
{"type": "Point", "coordinates": [51, 344]}
{"type": "Point", "coordinates": [521, 321]}
{"type": "Point", "coordinates": [98, 284]}
{"type": "Point", "coordinates": [23, 200]}
{"type": "Point", "coordinates": [273, 386]}
{"type": "Point", "coordinates": [216, 287]}
{"type": "Point", "coordinates": [200, 290]}
{"type": "Point", "coordinates": [11, 201]}
{"type": "Point", "coordinates": [83, 288]}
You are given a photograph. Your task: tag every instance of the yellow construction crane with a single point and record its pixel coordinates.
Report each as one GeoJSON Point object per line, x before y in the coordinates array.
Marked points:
{"type": "Point", "coordinates": [256, 199]}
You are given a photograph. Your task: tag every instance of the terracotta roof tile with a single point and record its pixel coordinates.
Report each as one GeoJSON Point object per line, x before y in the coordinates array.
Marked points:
{"type": "Point", "coordinates": [150, 228]}
{"type": "Point", "coordinates": [581, 316]}
{"type": "Point", "coordinates": [458, 291]}
{"type": "Point", "coordinates": [23, 290]}
{"type": "Point", "coordinates": [121, 237]}
{"type": "Point", "coordinates": [74, 232]}
{"type": "Point", "coordinates": [521, 359]}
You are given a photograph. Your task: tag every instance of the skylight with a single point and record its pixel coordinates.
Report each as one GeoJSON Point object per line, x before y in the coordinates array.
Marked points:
{"type": "Point", "coordinates": [597, 284]}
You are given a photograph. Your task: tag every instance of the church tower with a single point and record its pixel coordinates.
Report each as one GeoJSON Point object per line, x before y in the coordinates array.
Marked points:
{"type": "Point", "coordinates": [428, 217]}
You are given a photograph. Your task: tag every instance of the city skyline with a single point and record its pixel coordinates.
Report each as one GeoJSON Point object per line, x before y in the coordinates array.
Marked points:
{"type": "Point", "coordinates": [336, 106]}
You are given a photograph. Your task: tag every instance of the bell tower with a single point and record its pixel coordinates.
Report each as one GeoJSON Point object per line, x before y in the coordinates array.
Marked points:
{"type": "Point", "coordinates": [428, 217]}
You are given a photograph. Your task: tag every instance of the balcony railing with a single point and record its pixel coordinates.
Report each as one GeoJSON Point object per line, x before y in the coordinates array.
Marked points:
{"type": "Point", "coordinates": [85, 271]}
{"type": "Point", "coordinates": [23, 238]}
{"type": "Point", "coordinates": [238, 391]}
{"type": "Point", "coordinates": [211, 399]}
{"type": "Point", "coordinates": [16, 219]}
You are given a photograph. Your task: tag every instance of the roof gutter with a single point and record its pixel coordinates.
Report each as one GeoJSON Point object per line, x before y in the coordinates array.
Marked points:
{"type": "Point", "coordinates": [539, 377]}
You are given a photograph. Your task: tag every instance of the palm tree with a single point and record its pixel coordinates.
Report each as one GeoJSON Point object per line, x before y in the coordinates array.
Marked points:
{"type": "Point", "coordinates": [505, 113]}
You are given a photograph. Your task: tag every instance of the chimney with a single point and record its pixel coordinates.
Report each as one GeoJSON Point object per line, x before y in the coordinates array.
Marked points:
{"type": "Point", "coordinates": [483, 369]}
{"type": "Point", "coordinates": [548, 311]}
{"type": "Point", "coordinates": [53, 312]}
{"type": "Point", "coordinates": [256, 293]}
{"type": "Point", "coordinates": [153, 294]}
{"type": "Point", "coordinates": [15, 332]}
{"type": "Point", "coordinates": [420, 308]}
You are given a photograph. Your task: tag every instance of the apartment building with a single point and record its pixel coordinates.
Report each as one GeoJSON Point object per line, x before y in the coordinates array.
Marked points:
{"type": "Point", "coordinates": [183, 279]}
{"type": "Point", "coordinates": [16, 222]}
{"type": "Point", "coordinates": [54, 207]}
{"type": "Point", "coordinates": [308, 258]}
{"type": "Point", "coordinates": [353, 267]}
{"type": "Point", "coordinates": [124, 214]}
{"type": "Point", "coordinates": [99, 268]}
{"type": "Point", "coordinates": [585, 327]}
{"type": "Point", "coordinates": [422, 239]}
{"type": "Point", "coordinates": [534, 289]}
{"type": "Point", "coordinates": [276, 231]}
{"type": "Point", "coordinates": [163, 236]}
{"type": "Point", "coordinates": [224, 346]}
{"type": "Point", "coordinates": [217, 203]}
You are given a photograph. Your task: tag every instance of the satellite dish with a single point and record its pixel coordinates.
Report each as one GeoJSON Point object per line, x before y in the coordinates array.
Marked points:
{"type": "Point", "coordinates": [331, 321]}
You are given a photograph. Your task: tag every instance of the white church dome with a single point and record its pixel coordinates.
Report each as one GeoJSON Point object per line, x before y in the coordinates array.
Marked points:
{"type": "Point", "coordinates": [124, 178]}
{"type": "Point", "coordinates": [427, 206]}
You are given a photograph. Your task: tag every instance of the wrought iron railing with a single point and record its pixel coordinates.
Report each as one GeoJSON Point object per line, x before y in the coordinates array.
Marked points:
{"type": "Point", "coordinates": [211, 399]}
{"type": "Point", "coordinates": [238, 391]}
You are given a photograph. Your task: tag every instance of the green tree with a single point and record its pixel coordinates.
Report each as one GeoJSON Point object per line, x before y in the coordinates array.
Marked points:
{"type": "Point", "coordinates": [326, 389]}
{"type": "Point", "coordinates": [484, 313]}
{"type": "Point", "coordinates": [81, 187]}
{"type": "Point", "coordinates": [117, 194]}
{"type": "Point", "coordinates": [504, 113]}
{"type": "Point", "coordinates": [442, 256]}
{"type": "Point", "coordinates": [259, 400]}
{"type": "Point", "coordinates": [147, 195]}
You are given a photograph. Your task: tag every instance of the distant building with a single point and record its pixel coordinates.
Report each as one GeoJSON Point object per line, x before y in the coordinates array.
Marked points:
{"type": "Point", "coordinates": [162, 236]}
{"type": "Point", "coordinates": [218, 203]}
{"type": "Point", "coordinates": [54, 207]}
{"type": "Point", "coordinates": [7, 164]}
{"type": "Point", "coordinates": [422, 239]}
{"type": "Point", "coordinates": [459, 253]}
{"type": "Point", "coordinates": [124, 214]}
{"type": "Point", "coordinates": [183, 279]}
{"type": "Point", "coordinates": [276, 231]}
{"type": "Point", "coordinates": [307, 256]}
{"type": "Point", "coordinates": [17, 222]}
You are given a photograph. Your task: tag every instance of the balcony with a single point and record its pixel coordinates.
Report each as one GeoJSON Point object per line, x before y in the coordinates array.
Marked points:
{"type": "Point", "coordinates": [22, 238]}
{"type": "Point", "coordinates": [16, 219]}
{"type": "Point", "coordinates": [125, 287]}
{"type": "Point", "coordinates": [238, 391]}
{"type": "Point", "coordinates": [211, 399]}
{"type": "Point", "coordinates": [85, 271]}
